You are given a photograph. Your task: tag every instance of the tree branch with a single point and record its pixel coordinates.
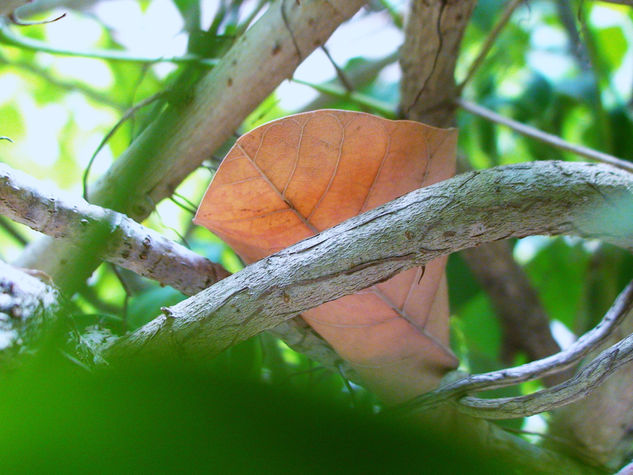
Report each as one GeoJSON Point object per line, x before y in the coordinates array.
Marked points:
{"type": "Point", "coordinates": [27, 304]}
{"type": "Point", "coordinates": [139, 249]}
{"type": "Point", "coordinates": [433, 35]}
{"type": "Point", "coordinates": [601, 424]}
{"type": "Point", "coordinates": [359, 76]}
{"type": "Point", "coordinates": [538, 198]}
{"type": "Point", "coordinates": [583, 383]}
{"type": "Point", "coordinates": [489, 43]}
{"type": "Point", "coordinates": [131, 245]}
{"type": "Point", "coordinates": [524, 322]}
{"type": "Point", "coordinates": [189, 131]}
{"type": "Point", "coordinates": [508, 377]}
{"type": "Point", "coordinates": [544, 136]}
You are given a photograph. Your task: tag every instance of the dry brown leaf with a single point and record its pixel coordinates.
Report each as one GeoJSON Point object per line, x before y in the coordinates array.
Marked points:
{"type": "Point", "coordinates": [294, 177]}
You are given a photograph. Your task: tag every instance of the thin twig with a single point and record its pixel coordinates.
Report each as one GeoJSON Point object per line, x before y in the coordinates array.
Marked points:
{"type": "Point", "coordinates": [87, 91]}
{"type": "Point", "coordinates": [359, 75]}
{"type": "Point", "coordinates": [339, 72]}
{"type": "Point", "coordinates": [544, 137]}
{"type": "Point", "coordinates": [129, 113]}
{"type": "Point", "coordinates": [363, 100]}
{"type": "Point", "coordinates": [7, 37]}
{"type": "Point", "coordinates": [583, 383]}
{"type": "Point", "coordinates": [529, 371]}
{"type": "Point", "coordinates": [489, 42]}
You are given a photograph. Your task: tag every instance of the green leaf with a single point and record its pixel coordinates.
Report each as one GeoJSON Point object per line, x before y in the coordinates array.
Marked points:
{"type": "Point", "coordinates": [11, 122]}
{"type": "Point", "coordinates": [147, 305]}
{"type": "Point", "coordinates": [190, 11]}
{"type": "Point", "coordinates": [612, 45]}
{"type": "Point", "coordinates": [557, 272]}
{"type": "Point", "coordinates": [480, 327]}
{"type": "Point", "coordinates": [461, 282]}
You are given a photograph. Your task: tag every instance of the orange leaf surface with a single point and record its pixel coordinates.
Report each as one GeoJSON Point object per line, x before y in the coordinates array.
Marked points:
{"type": "Point", "coordinates": [294, 177]}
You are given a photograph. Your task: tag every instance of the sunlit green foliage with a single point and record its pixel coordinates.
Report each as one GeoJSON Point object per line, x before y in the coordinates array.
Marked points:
{"type": "Point", "coordinates": [563, 67]}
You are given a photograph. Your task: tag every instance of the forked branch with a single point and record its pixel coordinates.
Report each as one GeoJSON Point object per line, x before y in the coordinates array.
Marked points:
{"type": "Point", "coordinates": [537, 198]}
{"type": "Point", "coordinates": [541, 401]}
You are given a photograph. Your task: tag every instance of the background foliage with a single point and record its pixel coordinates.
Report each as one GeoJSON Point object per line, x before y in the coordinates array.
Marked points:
{"type": "Point", "coordinates": [563, 67]}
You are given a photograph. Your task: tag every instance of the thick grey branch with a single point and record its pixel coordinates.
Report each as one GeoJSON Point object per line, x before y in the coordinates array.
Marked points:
{"type": "Point", "coordinates": [27, 304]}
{"type": "Point", "coordinates": [131, 246]}
{"type": "Point", "coordinates": [588, 200]}
{"type": "Point", "coordinates": [138, 249]}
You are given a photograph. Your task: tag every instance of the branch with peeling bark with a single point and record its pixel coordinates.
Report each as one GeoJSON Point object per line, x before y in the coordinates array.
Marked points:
{"type": "Point", "coordinates": [537, 198]}
{"type": "Point", "coordinates": [137, 248]}
{"type": "Point", "coordinates": [131, 245]}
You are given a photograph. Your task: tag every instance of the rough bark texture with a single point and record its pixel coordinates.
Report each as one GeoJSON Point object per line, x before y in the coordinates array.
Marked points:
{"type": "Point", "coordinates": [537, 198]}
{"type": "Point", "coordinates": [601, 425]}
{"type": "Point", "coordinates": [137, 248]}
{"type": "Point", "coordinates": [433, 35]}
{"type": "Point", "coordinates": [26, 305]}
{"type": "Point", "coordinates": [192, 129]}
{"type": "Point", "coordinates": [130, 245]}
